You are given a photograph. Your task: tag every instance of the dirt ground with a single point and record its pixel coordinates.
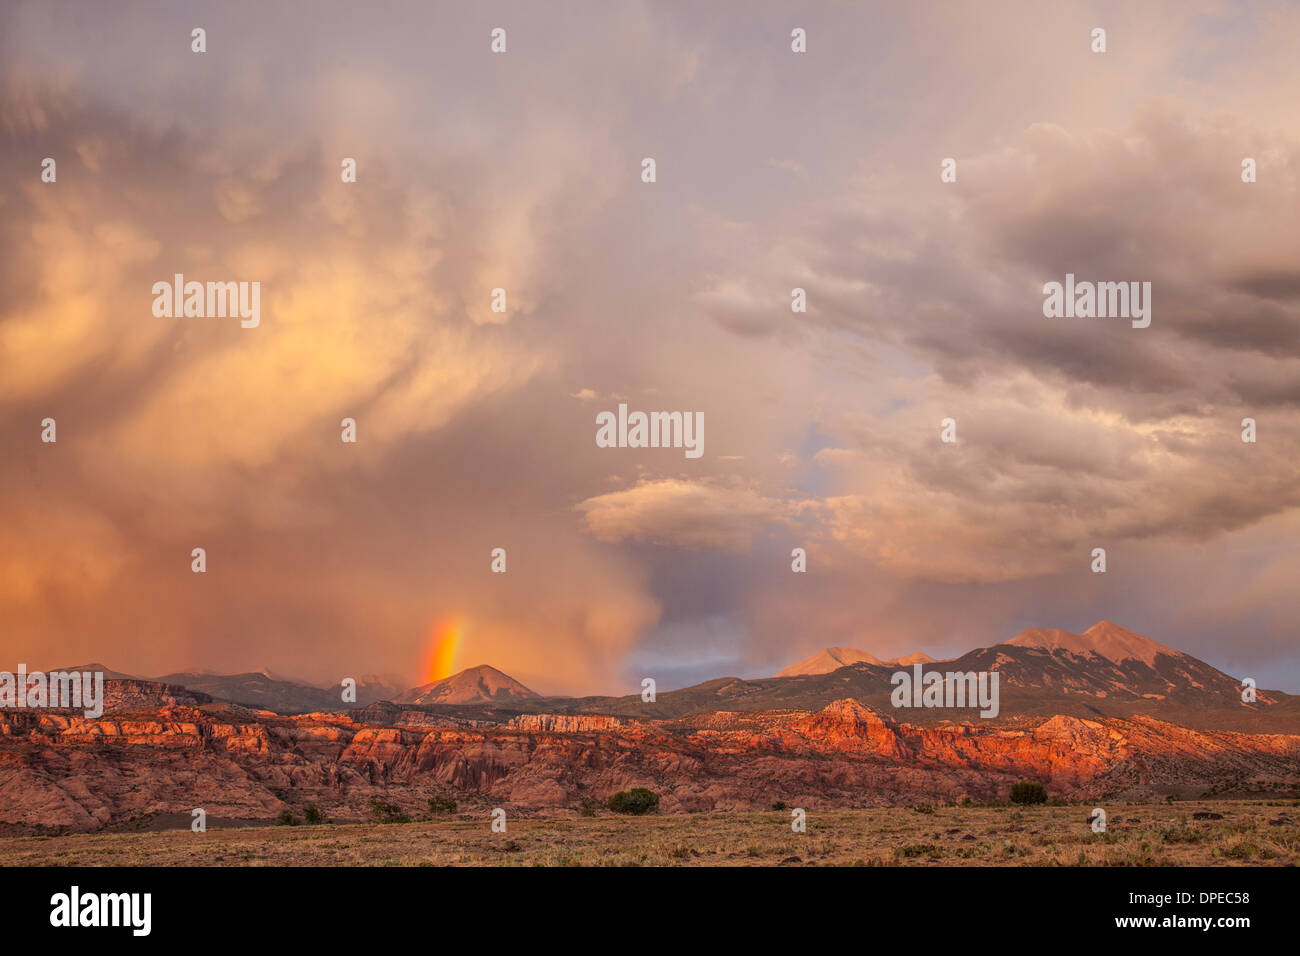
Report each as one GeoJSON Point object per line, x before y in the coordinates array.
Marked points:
{"type": "Point", "coordinates": [1244, 832]}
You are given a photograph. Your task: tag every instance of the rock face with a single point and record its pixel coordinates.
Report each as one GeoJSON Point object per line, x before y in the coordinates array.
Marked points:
{"type": "Point", "coordinates": [61, 771]}
{"type": "Point", "coordinates": [568, 723]}
{"type": "Point", "coordinates": [128, 695]}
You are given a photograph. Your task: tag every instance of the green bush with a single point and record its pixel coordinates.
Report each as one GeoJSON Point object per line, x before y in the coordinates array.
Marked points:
{"type": "Point", "coordinates": [387, 812]}
{"type": "Point", "coordinates": [638, 800]}
{"type": "Point", "coordinates": [286, 819]}
{"type": "Point", "coordinates": [1028, 792]}
{"type": "Point", "coordinates": [913, 850]}
{"type": "Point", "coordinates": [312, 816]}
{"type": "Point", "coordinates": [441, 805]}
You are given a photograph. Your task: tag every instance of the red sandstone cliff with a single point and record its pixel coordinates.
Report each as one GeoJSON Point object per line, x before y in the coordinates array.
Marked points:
{"type": "Point", "coordinates": [65, 771]}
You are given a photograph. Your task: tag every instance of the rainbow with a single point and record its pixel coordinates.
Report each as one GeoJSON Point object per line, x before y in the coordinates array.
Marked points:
{"type": "Point", "coordinates": [444, 641]}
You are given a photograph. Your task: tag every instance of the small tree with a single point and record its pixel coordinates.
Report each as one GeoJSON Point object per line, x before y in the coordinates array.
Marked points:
{"type": "Point", "coordinates": [286, 819]}
{"type": "Point", "coordinates": [387, 812]}
{"type": "Point", "coordinates": [441, 805]}
{"type": "Point", "coordinates": [311, 815]}
{"type": "Point", "coordinates": [638, 800]}
{"type": "Point", "coordinates": [1028, 792]}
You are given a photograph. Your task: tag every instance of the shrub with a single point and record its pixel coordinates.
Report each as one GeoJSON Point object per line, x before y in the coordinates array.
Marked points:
{"type": "Point", "coordinates": [779, 805]}
{"type": "Point", "coordinates": [1028, 792]}
{"type": "Point", "coordinates": [913, 850]}
{"type": "Point", "coordinates": [1242, 851]}
{"type": "Point", "coordinates": [441, 805]}
{"type": "Point", "coordinates": [286, 819]}
{"type": "Point", "coordinates": [311, 815]}
{"type": "Point", "coordinates": [638, 800]}
{"type": "Point", "coordinates": [387, 812]}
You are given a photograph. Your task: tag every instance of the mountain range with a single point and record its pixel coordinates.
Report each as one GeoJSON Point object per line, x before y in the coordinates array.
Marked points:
{"type": "Point", "coordinates": [1107, 670]}
{"type": "Point", "coordinates": [1103, 714]}
{"type": "Point", "coordinates": [263, 689]}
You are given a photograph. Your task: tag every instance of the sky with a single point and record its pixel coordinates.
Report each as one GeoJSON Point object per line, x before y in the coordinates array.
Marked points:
{"type": "Point", "coordinates": [476, 429]}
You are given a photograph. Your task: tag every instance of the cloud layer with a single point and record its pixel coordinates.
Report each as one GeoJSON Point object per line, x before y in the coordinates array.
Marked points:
{"type": "Point", "coordinates": [476, 428]}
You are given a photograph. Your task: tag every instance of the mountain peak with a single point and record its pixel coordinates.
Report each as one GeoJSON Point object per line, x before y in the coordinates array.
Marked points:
{"type": "Point", "coordinates": [918, 658]}
{"type": "Point", "coordinates": [471, 686]}
{"type": "Point", "coordinates": [1104, 639]}
{"type": "Point", "coordinates": [108, 672]}
{"type": "Point", "coordinates": [830, 659]}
